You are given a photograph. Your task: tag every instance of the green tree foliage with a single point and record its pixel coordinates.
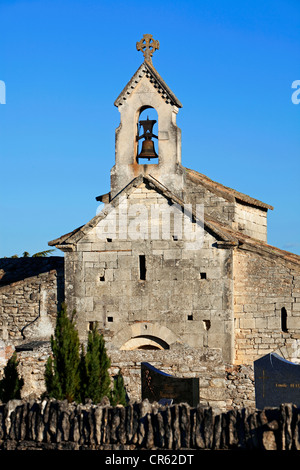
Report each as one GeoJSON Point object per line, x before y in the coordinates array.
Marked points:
{"type": "Point", "coordinates": [95, 364]}
{"type": "Point", "coordinates": [11, 384]}
{"type": "Point", "coordinates": [62, 374]}
{"type": "Point", "coordinates": [40, 254]}
{"type": "Point", "coordinates": [118, 394]}
{"type": "Point", "coordinates": [77, 376]}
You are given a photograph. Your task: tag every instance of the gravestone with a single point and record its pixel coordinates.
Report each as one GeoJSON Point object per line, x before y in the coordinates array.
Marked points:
{"type": "Point", "coordinates": [157, 386]}
{"type": "Point", "coordinates": [277, 381]}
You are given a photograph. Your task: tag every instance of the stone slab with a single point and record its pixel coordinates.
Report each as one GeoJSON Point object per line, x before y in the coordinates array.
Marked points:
{"type": "Point", "coordinates": [157, 385]}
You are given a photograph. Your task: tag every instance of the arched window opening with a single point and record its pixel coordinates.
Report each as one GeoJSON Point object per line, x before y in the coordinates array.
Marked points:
{"type": "Point", "coordinates": [147, 133]}
{"type": "Point", "coordinates": [284, 320]}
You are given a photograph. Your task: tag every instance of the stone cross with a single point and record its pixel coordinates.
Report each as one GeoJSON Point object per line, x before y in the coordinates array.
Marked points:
{"type": "Point", "coordinates": [147, 46]}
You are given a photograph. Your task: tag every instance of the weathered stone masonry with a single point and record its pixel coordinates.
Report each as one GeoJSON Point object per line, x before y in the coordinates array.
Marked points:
{"type": "Point", "coordinates": [266, 305]}
{"type": "Point", "coordinates": [207, 311]}
{"type": "Point", "coordinates": [54, 425]}
{"type": "Point", "coordinates": [31, 291]}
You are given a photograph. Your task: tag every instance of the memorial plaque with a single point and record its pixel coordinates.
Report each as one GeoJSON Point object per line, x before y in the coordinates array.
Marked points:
{"type": "Point", "coordinates": [159, 386]}
{"type": "Point", "coordinates": [277, 381]}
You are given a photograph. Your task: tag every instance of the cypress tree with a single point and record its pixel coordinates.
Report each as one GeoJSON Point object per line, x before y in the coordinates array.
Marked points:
{"type": "Point", "coordinates": [95, 378]}
{"type": "Point", "coordinates": [118, 394]}
{"type": "Point", "coordinates": [62, 373]}
{"type": "Point", "coordinates": [11, 384]}
{"type": "Point", "coordinates": [104, 366]}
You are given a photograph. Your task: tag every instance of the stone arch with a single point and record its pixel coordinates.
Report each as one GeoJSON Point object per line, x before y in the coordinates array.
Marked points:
{"type": "Point", "coordinates": [144, 342]}
{"type": "Point", "coordinates": [145, 335]}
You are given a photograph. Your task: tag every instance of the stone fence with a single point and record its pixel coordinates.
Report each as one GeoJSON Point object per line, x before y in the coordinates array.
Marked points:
{"type": "Point", "coordinates": [221, 387]}
{"type": "Point", "coordinates": [58, 425]}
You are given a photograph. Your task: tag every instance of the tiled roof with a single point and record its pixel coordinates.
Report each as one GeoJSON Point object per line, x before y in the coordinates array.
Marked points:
{"type": "Point", "coordinates": [248, 243]}
{"type": "Point", "coordinates": [17, 269]}
{"type": "Point", "coordinates": [225, 192]}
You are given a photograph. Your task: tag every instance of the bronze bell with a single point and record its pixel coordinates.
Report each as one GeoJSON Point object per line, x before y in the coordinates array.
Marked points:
{"type": "Point", "coordinates": [148, 150]}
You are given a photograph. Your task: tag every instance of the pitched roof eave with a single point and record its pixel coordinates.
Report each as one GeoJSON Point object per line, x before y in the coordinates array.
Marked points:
{"type": "Point", "coordinates": [247, 243]}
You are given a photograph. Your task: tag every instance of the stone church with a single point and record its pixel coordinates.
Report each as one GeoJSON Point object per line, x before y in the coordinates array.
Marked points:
{"type": "Point", "coordinates": [175, 269]}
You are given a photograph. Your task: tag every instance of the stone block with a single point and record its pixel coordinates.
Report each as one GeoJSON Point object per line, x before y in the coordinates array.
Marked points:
{"type": "Point", "coordinates": [296, 307]}
{"type": "Point", "coordinates": [91, 257]}
{"type": "Point", "coordinates": [247, 323]}
{"type": "Point", "coordinates": [84, 246]}
{"type": "Point", "coordinates": [273, 323]}
{"type": "Point", "coordinates": [261, 323]}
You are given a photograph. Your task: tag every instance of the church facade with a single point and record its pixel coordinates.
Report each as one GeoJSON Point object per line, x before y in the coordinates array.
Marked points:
{"type": "Point", "coordinates": [175, 261]}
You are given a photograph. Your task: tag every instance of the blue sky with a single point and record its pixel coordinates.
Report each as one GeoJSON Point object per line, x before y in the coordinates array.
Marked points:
{"type": "Point", "coordinates": [230, 63]}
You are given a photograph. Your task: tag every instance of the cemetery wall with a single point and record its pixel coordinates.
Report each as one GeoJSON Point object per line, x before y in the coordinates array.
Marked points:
{"type": "Point", "coordinates": [222, 387]}
{"type": "Point", "coordinates": [54, 425]}
{"type": "Point", "coordinates": [180, 361]}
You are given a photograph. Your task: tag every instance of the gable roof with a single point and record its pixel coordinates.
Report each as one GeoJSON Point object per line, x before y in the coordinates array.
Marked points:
{"type": "Point", "coordinates": [68, 241]}
{"type": "Point", "coordinates": [225, 192]}
{"type": "Point", "coordinates": [147, 69]}
{"type": "Point", "coordinates": [225, 235]}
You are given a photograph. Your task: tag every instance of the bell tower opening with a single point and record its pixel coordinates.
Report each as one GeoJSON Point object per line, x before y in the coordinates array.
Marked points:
{"type": "Point", "coordinates": [146, 152]}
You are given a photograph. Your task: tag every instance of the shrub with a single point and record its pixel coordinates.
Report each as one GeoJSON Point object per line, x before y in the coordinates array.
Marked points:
{"type": "Point", "coordinates": [11, 384]}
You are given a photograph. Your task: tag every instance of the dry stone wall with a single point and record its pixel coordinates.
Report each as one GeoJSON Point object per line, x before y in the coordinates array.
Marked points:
{"type": "Point", "coordinates": [52, 425]}
{"type": "Point", "coordinates": [222, 387]}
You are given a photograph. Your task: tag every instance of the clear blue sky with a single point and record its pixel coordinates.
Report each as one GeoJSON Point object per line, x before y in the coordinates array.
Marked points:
{"type": "Point", "coordinates": [230, 62]}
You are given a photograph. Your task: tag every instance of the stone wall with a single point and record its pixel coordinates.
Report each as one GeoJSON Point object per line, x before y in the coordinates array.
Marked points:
{"type": "Point", "coordinates": [186, 294]}
{"type": "Point", "coordinates": [251, 220]}
{"type": "Point", "coordinates": [32, 359]}
{"type": "Point", "coordinates": [221, 204]}
{"type": "Point", "coordinates": [266, 306]}
{"type": "Point", "coordinates": [53, 425]}
{"type": "Point", "coordinates": [214, 203]}
{"type": "Point", "coordinates": [31, 290]}
{"type": "Point", "coordinates": [222, 387]}
{"type": "Point", "coordinates": [179, 361]}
